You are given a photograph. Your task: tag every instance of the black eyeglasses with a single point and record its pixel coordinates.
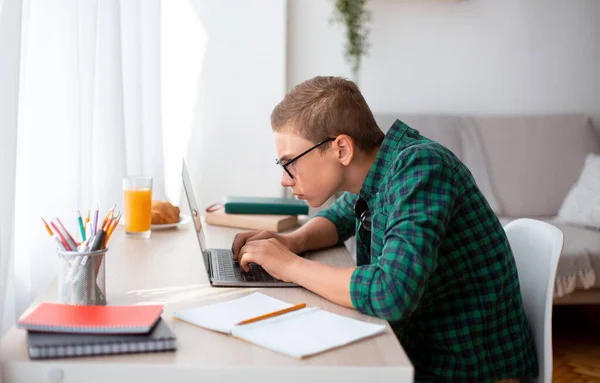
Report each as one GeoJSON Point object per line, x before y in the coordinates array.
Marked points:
{"type": "Point", "coordinates": [287, 163]}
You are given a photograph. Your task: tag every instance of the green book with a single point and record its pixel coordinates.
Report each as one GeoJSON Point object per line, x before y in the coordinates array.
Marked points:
{"type": "Point", "coordinates": [265, 205]}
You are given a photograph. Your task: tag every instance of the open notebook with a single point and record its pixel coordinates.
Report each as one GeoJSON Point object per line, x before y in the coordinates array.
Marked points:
{"type": "Point", "coordinates": [298, 334]}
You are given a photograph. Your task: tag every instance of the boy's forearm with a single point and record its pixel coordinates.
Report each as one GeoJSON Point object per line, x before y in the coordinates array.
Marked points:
{"type": "Point", "coordinates": [318, 233]}
{"type": "Point", "coordinates": [332, 283]}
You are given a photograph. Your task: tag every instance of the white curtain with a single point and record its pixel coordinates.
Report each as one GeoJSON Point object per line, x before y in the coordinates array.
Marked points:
{"type": "Point", "coordinates": [102, 82]}
{"type": "Point", "coordinates": [10, 24]}
{"type": "Point", "coordinates": [89, 114]}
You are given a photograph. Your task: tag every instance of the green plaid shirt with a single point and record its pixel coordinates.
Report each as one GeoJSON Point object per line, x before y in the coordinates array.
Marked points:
{"type": "Point", "coordinates": [437, 264]}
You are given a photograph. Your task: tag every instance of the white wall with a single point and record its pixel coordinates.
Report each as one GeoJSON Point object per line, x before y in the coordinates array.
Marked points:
{"type": "Point", "coordinates": [231, 150]}
{"type": "Point", "coordinates": [473, 56]}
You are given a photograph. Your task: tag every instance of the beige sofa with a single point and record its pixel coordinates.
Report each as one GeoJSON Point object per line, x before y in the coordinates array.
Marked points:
{"type": "Point", "coordinates": [525, 166]}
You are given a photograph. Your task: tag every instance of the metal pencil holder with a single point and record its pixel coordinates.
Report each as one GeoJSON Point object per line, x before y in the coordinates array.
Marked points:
{"type": "Point", "coordinates": [82, 277]}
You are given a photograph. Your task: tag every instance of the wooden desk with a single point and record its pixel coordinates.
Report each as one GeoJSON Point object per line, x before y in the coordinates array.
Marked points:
{"type": "Point", "coordinates": [168, 269]}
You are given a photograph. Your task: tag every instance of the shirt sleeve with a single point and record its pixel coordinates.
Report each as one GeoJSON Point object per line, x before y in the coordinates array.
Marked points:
{"type": "Point", "coordinates": [341, 213]}
{"type": "Point", "coordinates": [420, 197]}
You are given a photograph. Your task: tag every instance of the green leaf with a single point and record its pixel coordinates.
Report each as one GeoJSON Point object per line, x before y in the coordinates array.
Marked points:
{"type": "Point", "coordinates": [355, 17]}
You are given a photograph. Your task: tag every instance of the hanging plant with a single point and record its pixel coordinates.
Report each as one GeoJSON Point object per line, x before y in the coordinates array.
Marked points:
{"type": "Point", "coordinates": [354, 16]}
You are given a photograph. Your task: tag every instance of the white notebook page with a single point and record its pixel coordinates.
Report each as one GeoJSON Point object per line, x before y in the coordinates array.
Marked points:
{"type": "Point", "coordinates": [223, 316]}
{"type": "Point", "coordinates": [306, 332]}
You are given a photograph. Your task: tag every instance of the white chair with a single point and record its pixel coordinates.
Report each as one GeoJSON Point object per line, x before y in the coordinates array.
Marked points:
{"type": "Point", "coordinates": [536, 246]}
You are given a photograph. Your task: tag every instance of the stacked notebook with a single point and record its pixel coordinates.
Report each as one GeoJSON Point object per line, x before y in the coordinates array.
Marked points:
{"type": "Point", "coordinates": [259, 213]}
{"type": "Point", "coordinates": [57, 330]}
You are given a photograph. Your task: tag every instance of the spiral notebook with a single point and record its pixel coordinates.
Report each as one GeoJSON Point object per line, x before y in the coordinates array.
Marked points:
{"type": "Point", "coordinates": [53, 317]}
{"type": "Point", "coordinates": [43, 345]}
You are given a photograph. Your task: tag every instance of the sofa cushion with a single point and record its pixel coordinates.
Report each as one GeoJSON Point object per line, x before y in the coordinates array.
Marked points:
{"type": "Point", "coordinates": [534, 161]}
{"type": "Point", "coordinates": [441, 128]}
{"type": "Point", "coordinates": [579, 262]}
{"type": "Point", "coordinates": [582, 204]}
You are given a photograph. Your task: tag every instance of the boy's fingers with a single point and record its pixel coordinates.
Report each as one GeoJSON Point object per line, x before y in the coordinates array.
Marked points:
{"type": "Point", "coordinates": [245, 260]}
{"type": "Point", "coordinates": [261, 235]}
{"type": "Point", "coordinates": [238, 242]}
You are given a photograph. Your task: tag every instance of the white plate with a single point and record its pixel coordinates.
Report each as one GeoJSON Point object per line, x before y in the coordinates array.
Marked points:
{"type": "Point", "coordinates": [183, 220]}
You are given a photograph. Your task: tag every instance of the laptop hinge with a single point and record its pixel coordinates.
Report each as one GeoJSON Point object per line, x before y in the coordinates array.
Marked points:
{"type": "Point", "coordinates": [209, 263]}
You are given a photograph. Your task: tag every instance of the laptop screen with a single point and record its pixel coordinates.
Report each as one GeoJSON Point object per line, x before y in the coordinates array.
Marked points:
{"type": "Point", "coordinates": [189, 193]}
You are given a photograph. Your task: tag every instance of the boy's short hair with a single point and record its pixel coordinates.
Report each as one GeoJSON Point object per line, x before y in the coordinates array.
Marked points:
{"type": "Point", "coordinates": [325, 107]}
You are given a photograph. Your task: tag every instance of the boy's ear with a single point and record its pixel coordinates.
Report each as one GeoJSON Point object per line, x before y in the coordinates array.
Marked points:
{"type": "Point", "coordinates": [344, 146]}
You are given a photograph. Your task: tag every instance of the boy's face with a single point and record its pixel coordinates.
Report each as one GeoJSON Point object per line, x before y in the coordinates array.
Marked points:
{"type": "Point", "coordinates": [316, 176]}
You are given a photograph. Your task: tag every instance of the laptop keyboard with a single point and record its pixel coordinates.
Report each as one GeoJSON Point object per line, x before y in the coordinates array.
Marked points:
{"type": "Point", "coordinates": [230, 270]}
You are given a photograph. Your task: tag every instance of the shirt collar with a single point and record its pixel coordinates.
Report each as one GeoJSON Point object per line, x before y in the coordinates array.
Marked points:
{"type": "Point", "coordinates": [385, 157]}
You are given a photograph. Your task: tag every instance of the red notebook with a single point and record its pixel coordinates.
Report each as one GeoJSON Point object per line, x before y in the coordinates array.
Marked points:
{"type": "Point", "coordinates": [52, 317]}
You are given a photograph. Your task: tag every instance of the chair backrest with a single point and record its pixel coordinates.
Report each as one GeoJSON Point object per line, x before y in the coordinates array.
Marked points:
{"type": "Point", "coordinates": [536, 246]}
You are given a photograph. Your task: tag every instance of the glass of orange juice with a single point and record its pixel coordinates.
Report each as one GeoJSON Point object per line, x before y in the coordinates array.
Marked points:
{"type": "Point", "coordinates": [137, 193]}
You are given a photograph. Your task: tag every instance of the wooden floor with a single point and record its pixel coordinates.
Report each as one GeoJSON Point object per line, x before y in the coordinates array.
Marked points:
{"type": "Point", "coordinates": [576, 339]}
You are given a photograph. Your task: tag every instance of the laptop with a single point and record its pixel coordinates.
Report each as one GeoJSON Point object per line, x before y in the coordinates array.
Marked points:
{"type": "Point", "coordinates": [219, 264]}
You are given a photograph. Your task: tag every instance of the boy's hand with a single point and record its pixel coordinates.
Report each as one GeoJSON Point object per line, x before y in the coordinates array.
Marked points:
{"type": "Point", "coordinates": [243, 238]}
{"type": "Point", "coordinates": [272, 255]}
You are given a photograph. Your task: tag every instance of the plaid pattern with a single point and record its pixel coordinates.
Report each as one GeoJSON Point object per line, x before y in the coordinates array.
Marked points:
{"type": "Point", "coordinates": [437, 264]}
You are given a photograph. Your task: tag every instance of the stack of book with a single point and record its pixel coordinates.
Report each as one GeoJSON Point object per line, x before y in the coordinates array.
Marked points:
{"type": "Point", "coordinates": [258, 213]}
{"type": "Point", "coordinates": [58, 330]}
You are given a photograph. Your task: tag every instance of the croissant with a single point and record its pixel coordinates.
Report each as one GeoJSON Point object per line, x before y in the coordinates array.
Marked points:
{"type": "Point", "coordinates": [164, 213]}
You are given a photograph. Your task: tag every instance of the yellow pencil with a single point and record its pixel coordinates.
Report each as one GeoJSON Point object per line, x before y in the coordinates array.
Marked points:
{"type": "Point", "coordinates": [272, 314]}
{"type": "Point", "coordinates": [47, 228]}
{"type": "Point", "coordinates": [111, 228]}
{"type": "Point", "coordinates": [109, 214]}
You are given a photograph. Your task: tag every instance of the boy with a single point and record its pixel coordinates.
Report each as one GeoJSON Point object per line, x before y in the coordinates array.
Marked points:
{"type": "Point", "coordinates": [432, 257]}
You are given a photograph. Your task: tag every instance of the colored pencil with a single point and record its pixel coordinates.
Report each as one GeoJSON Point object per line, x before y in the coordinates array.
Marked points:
{"type": "Point", "coordinates": [47, 227]}
{"type": "Point", "coordinates": [56, 239]}
{"type": "Point", "coordinates": [64, 242]}
{"type": "Point", "coordinates": [66, 234]}
{"type": "Point", "coordinates": [112, 227]}
{"type": "Point", "coordinates": [108, 216]}
{"type": "Point", "coordinates": [95, 221]}
{"type": "Point", "coordinates": [81, 228]}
